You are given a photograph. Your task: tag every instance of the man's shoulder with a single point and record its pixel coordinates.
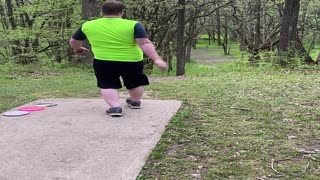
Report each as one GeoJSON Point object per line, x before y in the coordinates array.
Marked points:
{"type": "Point", "coordinates": [92, 21]}
{"type": "Point", "coordinates": [131, 21]}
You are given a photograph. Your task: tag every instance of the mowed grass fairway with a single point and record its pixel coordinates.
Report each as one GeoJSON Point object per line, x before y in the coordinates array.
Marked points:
{"type": "Point", "coordinates": [237, 122]}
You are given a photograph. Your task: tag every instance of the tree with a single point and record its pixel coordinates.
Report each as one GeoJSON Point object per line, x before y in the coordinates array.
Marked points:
{"type": "Point", "coordinates": [181, 51]}
{"type": "Point", "coordinates": [289, 23]}
{"type": "Point", "coordinates": [37, 31]}
{"type": "Point", "coordinates": [289, 40]}
{"type": "Point", "coordinates": [218, 26]}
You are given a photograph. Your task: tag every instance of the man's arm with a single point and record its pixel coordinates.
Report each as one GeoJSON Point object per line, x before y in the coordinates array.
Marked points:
{"type": "Point", "coordinates": [147, 46]}
{"type": "Point", "coordinates": [76, 41]}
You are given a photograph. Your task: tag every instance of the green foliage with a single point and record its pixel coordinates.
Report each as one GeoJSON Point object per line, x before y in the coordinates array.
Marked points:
{"type": "Point", "coordinates": [44, 27]}
{"type": "Point", "coordinates": [41, 32]}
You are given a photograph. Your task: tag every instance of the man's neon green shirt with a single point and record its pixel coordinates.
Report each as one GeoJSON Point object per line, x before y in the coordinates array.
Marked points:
{"type": "Point", "coordinates": [112, 39]}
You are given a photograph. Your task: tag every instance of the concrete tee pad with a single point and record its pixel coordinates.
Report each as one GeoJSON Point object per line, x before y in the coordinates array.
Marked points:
{"type": "Point", "coordinates": [76, 140]}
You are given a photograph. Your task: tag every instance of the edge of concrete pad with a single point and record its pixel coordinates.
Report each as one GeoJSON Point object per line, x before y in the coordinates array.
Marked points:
{"type": "Point", "coordinates": [133, 170]}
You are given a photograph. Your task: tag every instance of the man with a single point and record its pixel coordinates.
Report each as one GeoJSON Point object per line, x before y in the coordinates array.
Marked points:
{"type": "Point", "coordinates": [118, 46]}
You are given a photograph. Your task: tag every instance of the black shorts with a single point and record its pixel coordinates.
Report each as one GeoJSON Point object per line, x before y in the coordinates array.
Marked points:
{"type": "Point", "coordinates": [108, 74]}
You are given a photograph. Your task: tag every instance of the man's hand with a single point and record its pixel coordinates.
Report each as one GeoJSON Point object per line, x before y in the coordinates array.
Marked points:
{"type": "Point", "coordinates": [161, 64]}
{"type": "Point", "coordinates": [77, 46]}
{"type": "Point", "coordinates": [81, 50]}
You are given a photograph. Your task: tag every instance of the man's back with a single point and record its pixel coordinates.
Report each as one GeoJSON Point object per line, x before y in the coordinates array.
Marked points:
{"type": "Point", "coordinates": [113, 39]}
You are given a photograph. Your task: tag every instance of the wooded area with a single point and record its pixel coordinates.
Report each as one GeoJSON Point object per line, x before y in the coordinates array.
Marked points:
{"type": "Point", "coordinates": [37, 31]}
{"type": "Point", "coordinates": [249, 91]}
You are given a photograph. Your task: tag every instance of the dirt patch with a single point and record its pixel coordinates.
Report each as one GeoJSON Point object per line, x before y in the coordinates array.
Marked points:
{"type": "Point", "coordinates": [35, 74]}
{"type": "Point", "coordinates": [39, 73]}
{"type": "Point", "coordinates": [175, 78]}
{"type": "Point", "coordinates": [207, 57]}
{"type": "Point", "coordinates": [310, 146]}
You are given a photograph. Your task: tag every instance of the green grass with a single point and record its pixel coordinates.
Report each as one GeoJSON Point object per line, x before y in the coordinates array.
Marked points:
{"type": "Point", "coordinates": [22, 84]}
{"type": "Point", "coordinates": [234, 121]}
{"type": "Point", "coordinates": [218, 50]}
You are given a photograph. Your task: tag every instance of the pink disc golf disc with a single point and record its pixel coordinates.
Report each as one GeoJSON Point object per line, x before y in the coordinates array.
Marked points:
{"type": "Point", "coordinates": [31, 108]}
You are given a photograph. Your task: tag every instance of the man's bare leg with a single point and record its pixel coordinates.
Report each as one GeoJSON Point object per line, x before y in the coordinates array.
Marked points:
{"type": "Point", "coordinates": [136, 93]}
{"type": "Point", "coordinates": [111, 97]}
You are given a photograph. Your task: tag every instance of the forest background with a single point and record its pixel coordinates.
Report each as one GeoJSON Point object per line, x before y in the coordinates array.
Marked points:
{"type": "Point", "coordinates": [280, 32]}
{"type": "Point", "coordinates": [255, 118]}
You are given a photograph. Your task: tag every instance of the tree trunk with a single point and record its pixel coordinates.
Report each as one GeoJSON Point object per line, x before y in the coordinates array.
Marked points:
{"type": "Point", "coordinates": [264, 21]}
{"type": "Point", "coordinates": [257, 38]}
{"type": "Point", "coordinates": [26, 23]}
{"type": "Point", "coordinates": [213, 36]}
{"type": "Point", "coordinates": [243, 35]}
{"type": "Point", "coordinates": [2, 17]}
{"type": "Point", "coordinates": [16, 50]}
{"type": "Point", "coordinates": [288, 31]}
{"type": "Point", "coordinates": [256, 35]}
{"type": "Point", "coordinates": [10, 14]}
{"type": "Point", "coordinates": [90, 9]}
{"type": "Point", "coordinates": [226, 36]}
{"type": "Point", "coordinates": [191, 36]}
{"type": "Point", "coordinates": [180, 39]}
{"type": "Point", "coordinates": [289, 22]}
{"type": "Point", "coordinates": [218, 27]}
{"type": "Point", "coordinates": [318, 59]}
{"type": "Point", "coordinates": [289, 42]}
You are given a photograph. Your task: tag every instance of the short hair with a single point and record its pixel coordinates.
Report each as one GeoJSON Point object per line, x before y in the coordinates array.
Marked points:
{"type": "Point", "coordinates": [112, 8]}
